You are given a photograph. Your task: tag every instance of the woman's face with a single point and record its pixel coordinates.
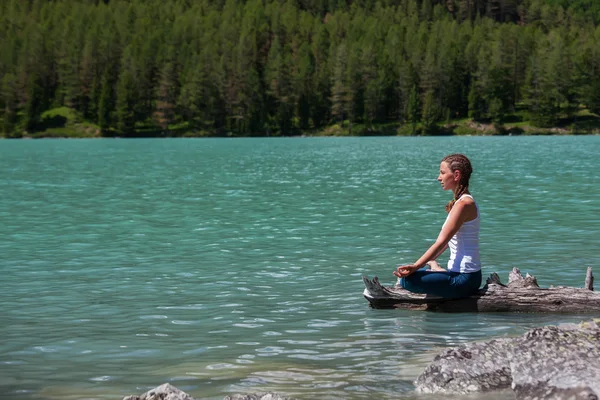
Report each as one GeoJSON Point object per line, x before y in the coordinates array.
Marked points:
{"type": "Point", "coordinates": [447, 178]}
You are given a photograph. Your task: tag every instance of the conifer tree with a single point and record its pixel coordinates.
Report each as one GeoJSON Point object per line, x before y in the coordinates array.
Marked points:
{"type": "Point", "coordinates": [548, 81]}
{"type": "Point", "coordinates": [34, 104]}
{"type": "Point", "coordinates": [341, 94]}
{"type": "Point", "coordinates": [413, 106]}
{"type": "Point", "coordinates": [126, 97]}
{"type": "Point", "coordinates": [430, 80]}
{"type": "Point", "coordinates": [8, 101]}
{"type": "Point", "coordinates": [321, 81]}
{"type": "Point", "coordinates": [106, 103]}
{"type": "Point", "coordinates": [431, 112]}
{"type": "Point", "coordinates": [587, 71]}
{"type": "Point", "coordinates": [88, 78]}
{"type": "Point", "coordinates": [305, 74]}
{"type": "Point", "coordinates": [166, 96]}
{"type": "Point", "coordinates": [280, 87]}
{"type": "Point", "coordinates": [192, 96]}
{"type": "Point", "coordinates": [69, 62]}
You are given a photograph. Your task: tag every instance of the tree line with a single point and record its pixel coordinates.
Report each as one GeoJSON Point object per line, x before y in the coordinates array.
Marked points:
{"type": "Point", "coordinates": [283, 67]}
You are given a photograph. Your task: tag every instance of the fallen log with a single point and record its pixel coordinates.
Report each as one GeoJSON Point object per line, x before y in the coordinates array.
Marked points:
{"type": "Point", "coordinates": [522, 294]}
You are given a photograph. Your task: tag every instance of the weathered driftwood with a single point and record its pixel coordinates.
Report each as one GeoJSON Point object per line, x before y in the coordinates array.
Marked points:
{"type": "Point", "coordinates": [589, 279]}
{"type": "Point", "coordinates": [522, 294]}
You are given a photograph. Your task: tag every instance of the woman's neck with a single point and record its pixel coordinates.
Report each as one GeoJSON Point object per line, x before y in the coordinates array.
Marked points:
{"type": "Point", "coordinates": [466, 191]}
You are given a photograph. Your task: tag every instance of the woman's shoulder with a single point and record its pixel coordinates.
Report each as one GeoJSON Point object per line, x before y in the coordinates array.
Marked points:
{"type": "Point", "coordinates": [468, 206]}
{"type": "Point", "coordinates": [467, 199]}
{"type": "Point", "coordinates": [464, 203]}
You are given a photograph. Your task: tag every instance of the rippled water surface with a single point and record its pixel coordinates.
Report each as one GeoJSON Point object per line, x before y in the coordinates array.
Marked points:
{"type": "Point", "coordinates": [234, 265]}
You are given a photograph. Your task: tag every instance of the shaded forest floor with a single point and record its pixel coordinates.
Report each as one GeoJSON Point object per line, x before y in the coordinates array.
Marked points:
{"type": "Point", "coordinates": [64, 123]}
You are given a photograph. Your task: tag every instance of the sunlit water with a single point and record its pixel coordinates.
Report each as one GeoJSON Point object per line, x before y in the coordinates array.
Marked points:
{"type": "Point", "coordinates": [234, 265]}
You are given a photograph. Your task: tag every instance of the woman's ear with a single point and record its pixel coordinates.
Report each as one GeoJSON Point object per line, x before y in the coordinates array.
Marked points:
{"type": "Point", "coordinates": [457, 176]}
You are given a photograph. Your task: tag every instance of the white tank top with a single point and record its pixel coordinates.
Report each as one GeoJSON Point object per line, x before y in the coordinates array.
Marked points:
{"type": "Point", "coordinates": [464, 245]}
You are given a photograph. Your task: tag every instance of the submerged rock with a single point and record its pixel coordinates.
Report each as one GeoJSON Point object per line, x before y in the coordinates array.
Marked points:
{"type": "Point", "coordinates": [545, 363]}
{"type": "Point", "coordinates": [257, 396]}
{"type": "Point", "coordinates": [169, 392]}
{"type": "Point", "coordinates": [165, 391]}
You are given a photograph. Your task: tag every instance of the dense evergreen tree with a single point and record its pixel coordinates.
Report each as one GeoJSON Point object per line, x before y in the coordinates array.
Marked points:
{"type": "Point", "coordinates": [9, 98]}
{"type": "Point", "coordinates": [126, 96]}
{"type": "Point", "coordinates": [106, 102]}
{"type": "Point", "coordinates": [342, 95]}
{"type": "Point", "coordinates": [33, 108]}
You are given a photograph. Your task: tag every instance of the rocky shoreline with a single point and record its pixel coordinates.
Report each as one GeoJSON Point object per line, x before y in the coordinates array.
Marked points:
{"type": "Point", "coordinates": [552, 362]}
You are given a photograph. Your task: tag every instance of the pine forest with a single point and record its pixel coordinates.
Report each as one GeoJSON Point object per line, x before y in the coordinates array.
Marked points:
{"type": "Point", "coordinates": [152, 68]}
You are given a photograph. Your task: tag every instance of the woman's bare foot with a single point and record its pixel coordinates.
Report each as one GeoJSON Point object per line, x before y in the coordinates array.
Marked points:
{"type": "Point", "coordinates": [435, 266]}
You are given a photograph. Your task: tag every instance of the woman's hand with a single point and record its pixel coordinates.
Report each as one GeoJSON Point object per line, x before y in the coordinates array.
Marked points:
{"type": "Point", "coordinates": [405, 270]}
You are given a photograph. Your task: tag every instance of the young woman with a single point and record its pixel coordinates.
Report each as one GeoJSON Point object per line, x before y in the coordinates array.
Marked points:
{"type": "Point", "coordinates": [460, 232]}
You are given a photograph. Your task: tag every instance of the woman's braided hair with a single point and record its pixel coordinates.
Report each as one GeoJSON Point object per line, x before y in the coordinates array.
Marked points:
{"type": "Point", "coordinates": [461, 163]}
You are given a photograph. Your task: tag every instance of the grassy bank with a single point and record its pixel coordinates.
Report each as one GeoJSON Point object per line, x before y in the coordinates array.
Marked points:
{"type": "Point", "coordinates": [65, 123]}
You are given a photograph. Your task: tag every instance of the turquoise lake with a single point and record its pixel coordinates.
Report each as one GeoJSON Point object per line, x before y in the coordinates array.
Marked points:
{"type": "Point", "coordinates": [234, 265]}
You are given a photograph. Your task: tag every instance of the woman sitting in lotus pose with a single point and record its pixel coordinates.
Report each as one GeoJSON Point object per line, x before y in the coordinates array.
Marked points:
{"type": "Point", "coordinates": [460, 232]}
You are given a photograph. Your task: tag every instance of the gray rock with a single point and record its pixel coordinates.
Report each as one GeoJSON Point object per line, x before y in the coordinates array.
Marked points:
{"type": "Point", "coordinates": [163, 392]}
{"type": "Point", "coordinates": [257, 396]}
{"type": "Point", "coordinates": [545, 363]}
{"type": "Point", "coordinates": [168, 392]}
{"type": "Point", "coordinates": [557, 363]}
{"type": "Point", "coordinates": [474, 367]}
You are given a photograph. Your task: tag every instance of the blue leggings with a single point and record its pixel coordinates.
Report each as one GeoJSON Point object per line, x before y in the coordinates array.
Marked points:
{"type": "Point", "coordinates": [442, 283]}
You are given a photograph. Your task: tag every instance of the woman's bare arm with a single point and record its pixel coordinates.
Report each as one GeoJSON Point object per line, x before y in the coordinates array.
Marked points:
{"type": "Point", "coordinates": [459, 214]}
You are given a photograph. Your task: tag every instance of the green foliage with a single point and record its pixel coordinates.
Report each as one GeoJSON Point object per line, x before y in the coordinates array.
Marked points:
{"type": "Point", "coordinates": [68, 114]}
{"type": "Point", "coordinates": [465, 131]}
{"type": "Point", "coordinates": [266, 67]}
{"type": "Point", "coordinates": [409, 130]}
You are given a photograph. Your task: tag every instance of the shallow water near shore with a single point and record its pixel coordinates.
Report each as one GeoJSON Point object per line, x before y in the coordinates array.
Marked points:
{"type": "Point", "coordinates": [235, 265]}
